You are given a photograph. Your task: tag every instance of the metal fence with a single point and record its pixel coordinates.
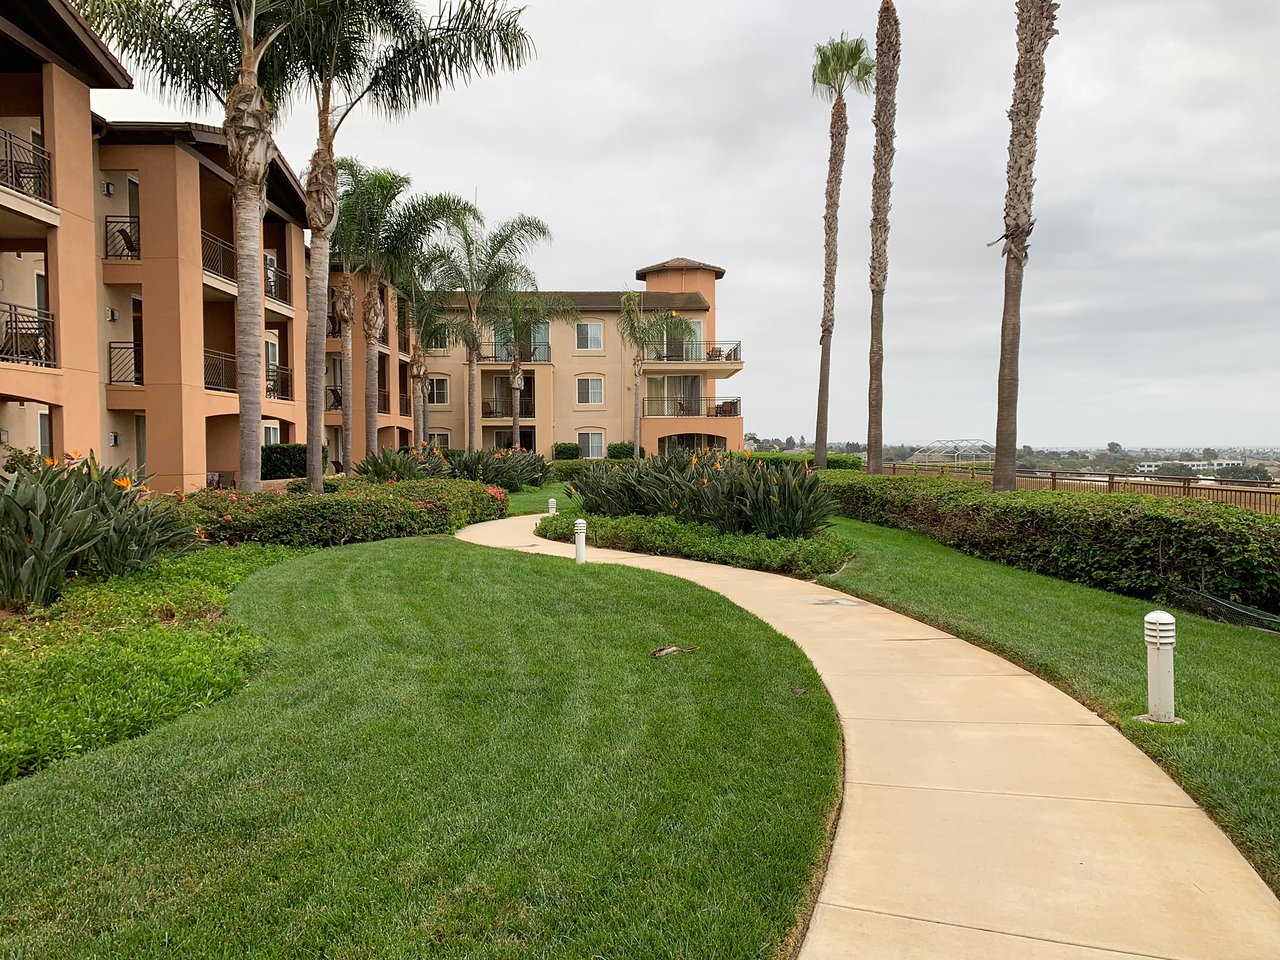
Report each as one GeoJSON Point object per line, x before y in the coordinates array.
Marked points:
{"type": "Point", "coordinates": [277, 283]}
{"type": "Point", "coordinates": [693, 407]}
{"type": "Point", "coordinates": [406, 407]}
{"type": "Point", "coordinates": [279, 382]}
{"type": "Point", "coordinates": [123, 238]}
{"type": "Point", "coordinates": [219, 371]}
{"type": "Point", "coordinates": [27, 335]}
{"type": "Point", "coordinates": [384, 401]}
{"type": "Point", "coordinates": [505, 352]}
{"type": "Point", "coordinates": [26, 167]}
{"type": "Point", "coordinates": [332, 398]}
{"type": "Point", "coordinates": [402, 337]}
{"type": "Point", "coordinates": [694, 351]}
{"type": "Point", "coordinates": [500, 408]}
{"type": "Point", "coordinates": [1260, 495]}
{"type": "Point", "coordinates": [124, 361]}
{"type": "Point", "coordinates": [217, 256]}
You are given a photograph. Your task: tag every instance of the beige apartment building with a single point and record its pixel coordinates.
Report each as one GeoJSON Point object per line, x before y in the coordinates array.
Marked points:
{"type": "Point", "coordinates": [579, 378]}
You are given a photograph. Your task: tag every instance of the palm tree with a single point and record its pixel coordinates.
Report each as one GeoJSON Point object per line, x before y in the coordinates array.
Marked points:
{"type": "Point", "coordinates": [839, 65]}
{"type": "Point", "coordinates": [384, 52]}
{"type": "Point", "coordinates": [381, 234]}
{"type": "Point", "coordinates": [482, 268]}
{"type": "Point", "coordinates": [434, 328]}
{"type": "Point", "coordinates": [344, 310]}
{"type": "Point", "coordinates": [888, 52]}
{"type": "Point", "coordinates": [515, 321]}
{"type": "Point", "coordinates": [637, 329]}
{"type": "Point", "coordinates": [198, 52]}
{"type": "Point", "coordinates": [1036, 27]}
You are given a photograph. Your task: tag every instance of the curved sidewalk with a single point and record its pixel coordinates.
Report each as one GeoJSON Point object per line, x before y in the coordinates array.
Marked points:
{"type": "Point", "coordinates": [987, 815]}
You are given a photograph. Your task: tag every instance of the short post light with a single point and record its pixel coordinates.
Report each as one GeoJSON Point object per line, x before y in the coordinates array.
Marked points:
{"type": "Point", "coordinates": [1159, 634]}
{"type": "Point", "coordinates": [551, 506]}
{"type": "Point", "coordinates": [580, 541]}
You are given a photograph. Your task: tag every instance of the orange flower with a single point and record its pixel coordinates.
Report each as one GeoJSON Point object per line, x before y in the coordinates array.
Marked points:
{"type": "Point", "coordinates": [704, 481]}
{"type": "Point", "coordinates": [75, 454]}
{"type": "Point", "coordinates": [695, 460]}
{"type": "Point", "coordinates": [748, 454]}
{"type": "Point", "coordinates": [124, 483]}
{"type": "Point", "coordinates": [50, 462]}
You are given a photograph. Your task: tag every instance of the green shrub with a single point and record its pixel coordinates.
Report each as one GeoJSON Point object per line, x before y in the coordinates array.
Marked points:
{"type": "Point", "coordinates": [114, 659]}
{"type": "Point", "coordinates": [835, 461]}
{"type": "Point", "coordinates": [299, 485]}
{"type": "Point", "coordinates": [623, 450]}
{"type": "Point", "coordinates": [387, 465]}
{"type": "Point", "coordinates": [667, 536]}
{"type": "Point", "coordinates": [566, 451]}
{"type": "Point", "coordinates": [1138, 545]}
{"type": "Point", "coordinates": [283, 461]}
{"type": "Point", "coordinates": [733, 495]}
{"type": "Point", "coordinates": [79, 517]}
{"type": "Point", "coordinates": [14, 458]}
{"type": "Point", "coordinates": [357, 512]}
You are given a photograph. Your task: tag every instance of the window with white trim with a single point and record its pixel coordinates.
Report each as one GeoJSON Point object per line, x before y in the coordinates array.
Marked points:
{"type": "Point", "coordinates": [438, 391]}
{"type": "Point", "coordinates": [271, 431]}
{"type": "Point", "coordinates": [591, 335]}
{"type": "Point", "coordinates": [438, 440]}
{"type": "Point", "coordinates": [590, 390]}
{"type": "Point", "coordinates": [592, 444]}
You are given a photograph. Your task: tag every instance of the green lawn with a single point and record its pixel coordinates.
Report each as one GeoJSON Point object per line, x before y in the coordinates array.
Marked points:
{"type": "Point", "coordinates": [1089, 643]}
{"type": "Point", "coordinates": [452, 752]}
{"type": "Point", "coordinates": [534, 499]}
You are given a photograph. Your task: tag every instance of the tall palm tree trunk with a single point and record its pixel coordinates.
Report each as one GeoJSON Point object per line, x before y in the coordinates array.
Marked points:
{"type": "Point", "coordinates": [831, 225]}
{"type": "Point", "coordinates": [888, 51]}
{"type": "Point", "coordinates": [372, 314]}
{"type": "Point", "coordinates": [473, 401]}
{"type": "Point", "coordinates": [638, 364]}
{"type": "Point", "coordinates": [344, 310]}
{"type": "Point", "coordinates": [517, 390]}
{"type": "Point", "coordinates": [247, 127]}
{"type": "Point", "coordinates": [322, 217]}
{"type": "Point", "coordinates": [1036, 27]}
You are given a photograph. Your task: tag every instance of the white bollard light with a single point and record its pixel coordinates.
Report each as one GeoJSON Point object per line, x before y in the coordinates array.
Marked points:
{"type": "Point", "coordinates": [1159, 633]}
{"type": "Point", "coordinates": [551, 506]}
{"type": "Point", "coordinates": [580, 541]}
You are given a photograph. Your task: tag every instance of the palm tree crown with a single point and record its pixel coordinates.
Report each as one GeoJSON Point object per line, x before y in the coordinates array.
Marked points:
{"type": "Point", "coordinates": [841, 65]}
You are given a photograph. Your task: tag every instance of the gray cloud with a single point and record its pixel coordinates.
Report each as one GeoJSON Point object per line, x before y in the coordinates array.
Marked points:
{"type": "Point", "coordinates": [1150, 309]}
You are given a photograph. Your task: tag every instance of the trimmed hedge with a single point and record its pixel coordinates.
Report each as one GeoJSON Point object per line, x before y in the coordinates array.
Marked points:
{"type": "Point", "coordinates": [357, 512]}
{"type": "Point", "coordinates": [284, 461]}
{"type": "Point", "coordinates": [566, 451]}
{"type": "Point", "coordinates": [835, 461]}
{"type": "Point", "coordinates": [623, 450]}
{"type": "Point", "coordinates": [1142, 546]}
{"type": "Point", "coordinates": [666, 536]}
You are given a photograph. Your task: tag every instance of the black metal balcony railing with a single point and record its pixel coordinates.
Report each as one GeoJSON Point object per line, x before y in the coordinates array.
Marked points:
{"type": "Point", "coordinates": [123, 238]}
{"type": "Point", "coordinates": [279, 382]}
{"type": "Point", "coordinates": [26, 335]}
{"type": "Point", "coordinates": [332, 398]}
{"type": "Point", "coordinates": [125, 361]}
{"type": "Point", "coordinates": [25, 167]}
{"type": "Point", "coordinates": [406, 408]}
{"type": "Point", "coordinates": [218, 256]}
{"type": "Point", "coordinates": [402, 338]}
{"type": "Point", "coordinates": [384, 401]}
{"type": "Point", "coordinates": [384, 335]}
{"type": "Point", "coordinates": [277, 283]}
{"type": "Point", "coordinates": [219, 371]}
{"type": "Point", "coordinates": [499, 408]}
{"type": "Point", "coordinates": [693, 407]}
{"type": "Point", "coordinates": [333, 329]}
{"type": "Point", "coordinates": [503, 352]}
{"type": "Point", "coordinates": [695, 351]}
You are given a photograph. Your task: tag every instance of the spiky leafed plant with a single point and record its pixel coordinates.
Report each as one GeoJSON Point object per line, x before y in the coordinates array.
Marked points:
{"type": "Point", "coordinates": [385, 54]}
{"type": "Point", "coordinates": [888, 54]}
{"type": "Point", "coordinates": [637, 328]}
{"type": "Point", "coordinates": [1036, 27]}
{"type": "Point", "coordinates": [514, 321]}
{"type": "Point", "coordinates": [481, 268]}
{"type": "Point", "coordinates": [839, 65]}
{"type": "Point", "coordinates": [381, 233]}
{"type": "Point", "coordinates": [197, 52]}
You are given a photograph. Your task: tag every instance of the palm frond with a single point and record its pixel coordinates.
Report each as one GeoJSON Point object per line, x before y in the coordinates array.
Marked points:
{"type": "Point", "coordinates": [841, 65]}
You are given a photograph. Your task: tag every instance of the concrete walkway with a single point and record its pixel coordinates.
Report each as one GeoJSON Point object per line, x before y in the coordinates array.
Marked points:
{"type": "Point", "coordinates": [986, 815]}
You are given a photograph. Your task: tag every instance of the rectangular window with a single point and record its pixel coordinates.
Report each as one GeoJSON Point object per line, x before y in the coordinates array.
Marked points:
{"type": "Point", "coordinates": [438, 391]}
{"type": "Point", "coordinates": [271, 433]}
{"type": "Point", "coordinates": [439, 342]}
{"type": "Point", "coordinates": [592, 444]}
{"type": "Point", "coordinates": [591, 390]}
{"type": "Point", "coordinates": [439, 440]}
{"type": "Point", "coordinates": [591, 336]}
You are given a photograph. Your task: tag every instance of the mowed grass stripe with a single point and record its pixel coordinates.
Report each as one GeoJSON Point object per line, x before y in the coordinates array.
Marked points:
{"type": "Point", "coordinates": [453, 752]}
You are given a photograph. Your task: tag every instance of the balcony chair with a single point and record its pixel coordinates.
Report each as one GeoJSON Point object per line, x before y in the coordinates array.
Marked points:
{"type": "Point", "coordinates": [126, 241]}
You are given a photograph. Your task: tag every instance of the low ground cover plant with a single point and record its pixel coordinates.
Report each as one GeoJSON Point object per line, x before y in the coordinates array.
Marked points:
{"type": "Point", "coordinates": [1137, 545]}
{"type": "Point", "coordinates": [731, 494]}
{"type": "Point", "coordinates": [113, 659]}
{"type": "Point", "coordinates": [78, 517]}
{"type": "Point", "coordinates": [356, 512]}
{"type": "Point", "coordinates": [666, 536]}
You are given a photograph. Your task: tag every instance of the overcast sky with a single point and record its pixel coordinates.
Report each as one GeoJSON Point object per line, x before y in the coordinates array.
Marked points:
{"type": "Point", "coordinates": [648, 131]}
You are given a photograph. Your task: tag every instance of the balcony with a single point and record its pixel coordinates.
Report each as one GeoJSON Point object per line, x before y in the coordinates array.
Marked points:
{"type": "Point", "coordinates": [277, 284]}
{"type": "Point", "coordinates": [384, 401]}
{"type": "Point", "coordinates": [499, 408]}
{"type": "Point", "coordinates": [406, 408]}
{"type": "Point", "coordinates": [26, 168]}
{"type": "Point", "coordinates": [504, 352]}
{"type": "Point", "coordinates": [333, 329]}
{"type": "Point", "coordinates": [384, 335]}
{"type": "Point", "coordinates": [122, 239]}
{"type": "Point", "coordinates": [217, 256]}
{"type": "Point", "coordinates": [694, 351]}
{"type": "Point", "coordinates": [279, 382]}
{"type": "Point", "coordinates": [219, 371]}
{"type": "Point", "coordinates": [694, 407]}
{"type": "Point", "coordinates": [332, 398]}
{"type": "Point", "coordinates": [124, 362]}
{"type": "Point", "coordinates": [402, 338]}
{"type": "Point", "coordinates": [27, 335]}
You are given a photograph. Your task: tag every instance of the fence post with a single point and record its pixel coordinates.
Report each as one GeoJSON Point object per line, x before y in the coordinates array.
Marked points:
{"type": "Point", "coordinates": [1053, 479]}
{"type": "Point", "coordinates": [579, 541]}
{"type": "Point", "coordinates": [1111, 483]}
{"type": "Point", "coordinates": [1159, 634]}
{"type": "Point", "coordinates": [551, 506]}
